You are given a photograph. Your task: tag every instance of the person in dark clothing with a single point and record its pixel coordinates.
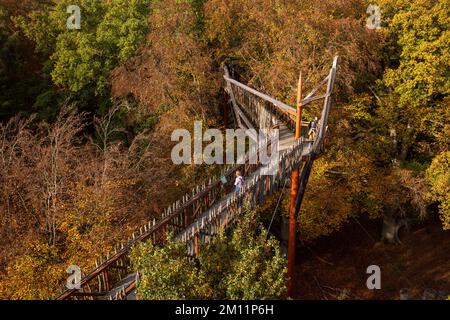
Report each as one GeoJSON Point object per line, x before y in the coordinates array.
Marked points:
{"type": "Point", "coordinates": [312, 128]}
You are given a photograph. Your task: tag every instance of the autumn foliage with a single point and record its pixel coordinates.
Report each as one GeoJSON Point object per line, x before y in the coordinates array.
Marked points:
{"type": "Point", "coordinates": [85, 140]}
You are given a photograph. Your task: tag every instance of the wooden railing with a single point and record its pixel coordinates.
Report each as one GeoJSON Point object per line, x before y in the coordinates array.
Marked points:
{"type": "Point", "coordinates": [113, 267]}
{"type": "Point", "coordinates": [257, 188]}
{"type": "Point", "coordinates": [264, 110]}
{"type": "Point", "coordinates": [198, 216]}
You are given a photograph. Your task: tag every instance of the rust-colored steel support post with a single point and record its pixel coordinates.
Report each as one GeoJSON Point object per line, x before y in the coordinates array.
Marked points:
{"type": "Point", "coordinates": [294, 191]}
{"type": "Point", "coordinates": [196, 246]}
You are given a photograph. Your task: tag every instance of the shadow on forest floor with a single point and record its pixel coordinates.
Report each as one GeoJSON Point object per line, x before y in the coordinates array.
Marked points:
{"type": "Point", "coordinates": [335, 267]}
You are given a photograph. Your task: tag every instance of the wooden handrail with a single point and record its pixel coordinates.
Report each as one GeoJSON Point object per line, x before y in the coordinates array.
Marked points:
{"type": "Point", "coordinates": [179, 210]}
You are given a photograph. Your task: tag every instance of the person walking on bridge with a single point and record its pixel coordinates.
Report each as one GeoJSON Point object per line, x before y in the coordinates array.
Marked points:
{"type": "Point", "coordinates": [239, 182]}
{"type": "Point", "coordinates": [312, 128]}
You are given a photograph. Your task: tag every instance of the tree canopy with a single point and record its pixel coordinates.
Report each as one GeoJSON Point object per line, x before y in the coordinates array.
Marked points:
{"type": "Point", "coordinates": [86, 117]}
{"type": "Point", "coordinates": [80, 61]}
{"type": "Point", "coordinates": [241, 264]}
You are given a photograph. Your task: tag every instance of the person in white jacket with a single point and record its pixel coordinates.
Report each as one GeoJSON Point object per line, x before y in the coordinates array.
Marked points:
{"type": "Point", "coordinates": [239, 182]}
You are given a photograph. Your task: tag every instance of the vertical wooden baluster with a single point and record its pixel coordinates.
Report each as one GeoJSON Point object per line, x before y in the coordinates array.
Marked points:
{"type": "Point", "coordinates": [107, 284]}
{"type": "Point", "coordinates": [164, 233]}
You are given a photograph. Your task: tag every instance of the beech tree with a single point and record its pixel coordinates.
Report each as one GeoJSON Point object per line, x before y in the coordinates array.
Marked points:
{"type": "Point", "coordinates": [75, 184]}
{"type": "Point", "coordinates": [80, 61]}
{"type": "Point", "coordinates": [438, 175]}
{"type": "Point", "coordinates": [242, 264]}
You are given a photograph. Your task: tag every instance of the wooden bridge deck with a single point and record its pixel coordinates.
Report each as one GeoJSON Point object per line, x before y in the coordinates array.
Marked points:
{"type": "Point", "coordinates": [286, 143]}
{"type": "Point", "coordinates": [287, 139]}
{"type": "Point", "coordinates": [197, 217]}
{"type": "Point", "coordinates": [126, 282]}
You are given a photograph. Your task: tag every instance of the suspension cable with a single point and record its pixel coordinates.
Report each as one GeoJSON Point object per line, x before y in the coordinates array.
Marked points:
{"type": "Point", "coordinates": [276, 209]}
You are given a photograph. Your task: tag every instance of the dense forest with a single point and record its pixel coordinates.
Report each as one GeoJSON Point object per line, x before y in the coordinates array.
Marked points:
{"type": "Point", "coordinates": [86, 118]}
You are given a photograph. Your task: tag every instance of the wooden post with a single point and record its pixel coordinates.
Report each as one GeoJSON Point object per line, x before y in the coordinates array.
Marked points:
{"type": "Point", "coordinates": [225, 110]}
{"type": "Point", "coordinates": [107, 285]}
{"type": "Point", "coordinates": [187, 216]}
{"type": "Point", "coordinates": [236, 117]}
{"type": "Point", "coordinates": [164, 234]}
{"type": "Point", "coordinates": [294, 191]}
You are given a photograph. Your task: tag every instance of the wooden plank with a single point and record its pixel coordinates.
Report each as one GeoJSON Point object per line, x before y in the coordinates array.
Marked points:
{"type": "Point", "coordinates": [313, 92]}
{"type": "Point", "coordinates": [279, 104]}
{"type": "Point", "coordinates": [327, 107]}
{"type": "Point", "coordinates": [89, 294]}
{"type": "Point", "coordinates": [283, 106]}
{"type": "Point", "coordinates": [150, 231]}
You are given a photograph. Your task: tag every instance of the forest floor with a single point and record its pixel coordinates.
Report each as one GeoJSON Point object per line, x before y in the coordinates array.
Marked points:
{"type": "Point", "coordinates": [335, 267]}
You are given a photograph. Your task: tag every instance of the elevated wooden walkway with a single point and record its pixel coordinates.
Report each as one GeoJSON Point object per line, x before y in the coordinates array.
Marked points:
{"type": "Point", "coordinates": [198, 216]}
